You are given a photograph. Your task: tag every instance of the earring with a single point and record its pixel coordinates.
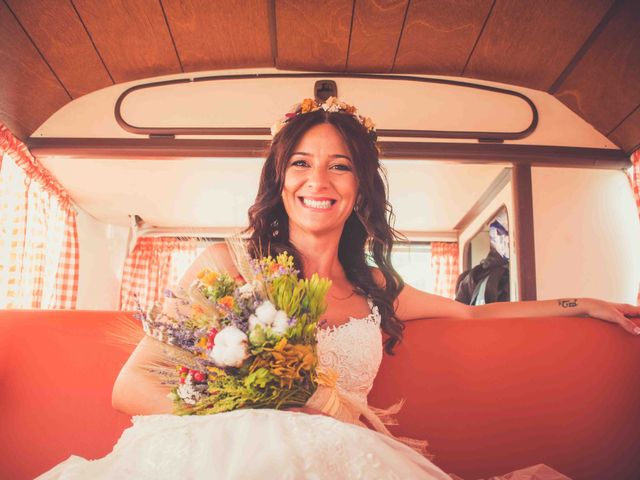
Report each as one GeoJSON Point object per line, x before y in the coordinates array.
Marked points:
{"type": "Point", "coordinates": [358, 205]}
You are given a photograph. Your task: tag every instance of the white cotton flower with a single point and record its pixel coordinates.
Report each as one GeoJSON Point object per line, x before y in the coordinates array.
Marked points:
{"type": "Point", "coordinates": [266, 312]}
{"type": "Point", "coordinates": [280, 322]}
{"type": "Point", "coordinates": [268, 317]}
{"type": "Point", "coordinates": [230, 348]}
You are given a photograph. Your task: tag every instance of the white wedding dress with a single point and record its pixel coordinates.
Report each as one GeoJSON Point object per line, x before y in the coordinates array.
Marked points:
{"type": "Point", "coordinates": [255, 444]}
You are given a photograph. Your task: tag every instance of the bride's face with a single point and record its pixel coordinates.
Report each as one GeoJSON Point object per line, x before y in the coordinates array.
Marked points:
{"type": "Point", "coordinates": [320, 185]}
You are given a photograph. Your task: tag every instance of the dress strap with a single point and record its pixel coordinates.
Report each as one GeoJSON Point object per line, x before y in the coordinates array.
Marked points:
{"type": "Point", "coordinates": [374, 313]}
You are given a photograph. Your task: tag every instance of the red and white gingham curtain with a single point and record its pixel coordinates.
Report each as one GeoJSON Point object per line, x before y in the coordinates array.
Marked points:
{"type": "Point", "coordinates": [635, 184]}
{"type": "Point", "coordinates": [444, 267]}
{"type": "Point", "coordinates": [39, 259]}
{"type": "Point", "coordinates": [154, 265]}
{"type": "Point", "coordinates": [635, 176]}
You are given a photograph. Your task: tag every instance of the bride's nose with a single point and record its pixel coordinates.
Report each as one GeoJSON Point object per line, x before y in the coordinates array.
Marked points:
{"type": "Point", "coordinates": [318, 178]}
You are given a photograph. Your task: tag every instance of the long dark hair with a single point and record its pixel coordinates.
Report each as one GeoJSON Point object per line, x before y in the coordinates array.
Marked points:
{"type": "Point", "coordinates": [369, 225]}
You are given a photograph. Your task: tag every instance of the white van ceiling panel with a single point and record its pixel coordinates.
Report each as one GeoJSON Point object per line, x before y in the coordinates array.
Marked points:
{"type": "Point", "coordinates": [198, 192]}
{"type": "Point", "coordinates": [260, 102]}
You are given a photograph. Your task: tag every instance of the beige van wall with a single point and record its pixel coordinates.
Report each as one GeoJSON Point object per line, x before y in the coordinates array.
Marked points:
{"type": "Point", "coordinates": [102, 250]}
{"type": "Point", "coordinates": [587, 234]}
{"type": "Point", "coordinates": [504, 197]}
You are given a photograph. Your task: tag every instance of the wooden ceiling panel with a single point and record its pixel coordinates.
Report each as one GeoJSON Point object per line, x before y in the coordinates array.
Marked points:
{"type": "Point", "coordinates": [313, 35]}
{"type": "Point", "coordinates": [224, 34]}
{"type": "Point", "coordinates": [530, 43]}
{"type": "Point", "coordinates": [131, 36]}
{"type": "Point", "coordinates": [603, 88]}
{"type": "Point", "coordinates": [439, 35]}
{"type": "Point", "coordinates": [58, 33]}
{"type": "Point", "coordinates": [29, 91]}
{"type": "Point", "coordinates": [375, 33]}
{"type": "Point", "coordinates": [627, 134]}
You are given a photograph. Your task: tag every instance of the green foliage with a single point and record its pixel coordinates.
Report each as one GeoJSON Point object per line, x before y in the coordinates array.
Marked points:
{"type": "Point", "coordinates": [303, 299]}
{"type": "Point", "coordinates": [223, 286]}
{"type": "Point", "coordinates": [259, 378]}
{"type": "Point", "coordinates": [259, 389]}
{"type": "Point", "coordinates": [199, 321]}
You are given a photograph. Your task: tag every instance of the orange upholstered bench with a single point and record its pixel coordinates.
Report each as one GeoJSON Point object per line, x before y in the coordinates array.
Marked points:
{"type": "Point", "coordinates": [491, 396]}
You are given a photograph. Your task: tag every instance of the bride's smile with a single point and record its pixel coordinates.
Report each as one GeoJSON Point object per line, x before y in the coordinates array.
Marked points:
{"type": "Point", "coordinates": [320, 185]}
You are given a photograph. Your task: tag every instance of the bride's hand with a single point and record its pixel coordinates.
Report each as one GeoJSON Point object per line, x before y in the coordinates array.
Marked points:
{"type": "Point", "coordinates": [614, 313]}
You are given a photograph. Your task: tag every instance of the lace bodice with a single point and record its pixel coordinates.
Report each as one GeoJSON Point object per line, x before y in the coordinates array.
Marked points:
{"type": "Point", "coordinates": [354, 351]}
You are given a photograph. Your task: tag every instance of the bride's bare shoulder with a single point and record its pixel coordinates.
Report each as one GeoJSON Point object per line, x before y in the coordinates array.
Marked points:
{"type": "Point", "coordinates": [219, 252]}
{"type": "Point", "coordinates": [378, 277]}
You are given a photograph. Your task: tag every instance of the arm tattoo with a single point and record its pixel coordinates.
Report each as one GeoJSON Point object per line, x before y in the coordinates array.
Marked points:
{"type": "Point", "coordinates": [567, 303]}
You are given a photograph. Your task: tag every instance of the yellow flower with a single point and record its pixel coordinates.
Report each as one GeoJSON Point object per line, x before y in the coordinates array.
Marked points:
{"type": "Point", "coordinates": [350, 109]}
{"type": "Point", "coordinates": [368, 123]}
{"type": "Point", "coordinates": [286, 361]}
{"type": "Point", "coordinates": [218, 372]}
{"type": "Point", "coordinates": [308, 104]}
{"type": "Point", "coordinates": [208, 277]}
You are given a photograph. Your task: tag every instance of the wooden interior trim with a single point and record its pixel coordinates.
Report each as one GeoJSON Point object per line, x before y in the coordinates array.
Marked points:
{"type": "Point", "coordinates": [37, 49]}
{"type": "Point", "coordinates": [404, 22]}
{"type": "Point", "coordinates": [273, 30]}
{"type": "Point", "coordinates": [157, 148]}
{"type": "Point", "coordinates": [173, 40]}
{"type": "Point", "coordinates": [485, 199]}
{"type": "Point", "coordinates": [524, 237]}
{"type": "Point", "coordinates": [93, 43]}
{"type": "Point", "coordinates": [585, 47]}
{"type": "Point", "coordinates": [475, 44]}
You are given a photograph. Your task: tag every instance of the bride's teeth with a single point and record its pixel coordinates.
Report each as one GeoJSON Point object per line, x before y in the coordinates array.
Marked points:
{"type": "Point", "coordinates": [316, 203]}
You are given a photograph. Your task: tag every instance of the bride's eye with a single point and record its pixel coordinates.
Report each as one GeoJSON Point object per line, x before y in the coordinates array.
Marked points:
{"type": "Point", "coordinates": [342, 167]}
{"type": "Point", "coordinates": [298, 163]}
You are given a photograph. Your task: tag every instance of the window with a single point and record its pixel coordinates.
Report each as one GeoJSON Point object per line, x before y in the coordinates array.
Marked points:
{"type": "Point", "coordinates": [413, 263]}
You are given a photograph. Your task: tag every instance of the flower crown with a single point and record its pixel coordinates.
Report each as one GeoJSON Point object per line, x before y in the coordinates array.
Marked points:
{"type": "Point", "coordinates": [332, 105]}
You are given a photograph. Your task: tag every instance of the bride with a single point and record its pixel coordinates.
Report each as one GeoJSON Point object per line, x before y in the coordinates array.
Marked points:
{"type": "Point", "coordinates": [322, 198]}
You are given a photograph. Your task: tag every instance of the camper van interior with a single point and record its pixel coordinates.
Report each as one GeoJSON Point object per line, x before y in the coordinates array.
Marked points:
{"type": "Point", "coordinates": [133, 134]}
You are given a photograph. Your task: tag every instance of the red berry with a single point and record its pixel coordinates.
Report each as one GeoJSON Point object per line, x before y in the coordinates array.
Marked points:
{"type": "Point", "coordinates": [184, 370]}
{"type": "Point", "coordinates": [198, 377]}
{"type": "Point", "coordinates": [181, 380]}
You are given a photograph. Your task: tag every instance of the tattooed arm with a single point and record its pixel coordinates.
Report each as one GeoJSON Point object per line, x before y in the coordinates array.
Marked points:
{"type": "Point", "coordinates": [601, 310]}
{"type": "Point", "coordinates": [413, 304]}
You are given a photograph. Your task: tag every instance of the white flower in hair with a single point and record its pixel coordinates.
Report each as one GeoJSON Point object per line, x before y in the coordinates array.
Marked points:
{"type": "Point", "coordinates": [230, 348]}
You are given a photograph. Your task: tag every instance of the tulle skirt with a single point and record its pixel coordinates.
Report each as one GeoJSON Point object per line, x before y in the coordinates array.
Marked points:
{"type": "Point", "coordinates": [250, 444]}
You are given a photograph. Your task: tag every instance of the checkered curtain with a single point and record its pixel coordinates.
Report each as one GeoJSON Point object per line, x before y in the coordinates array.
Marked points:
{"type": "Point", "coordinates": [154, 265]}
{"type": "Point", "coordinates": [39, 258]}
{"type": "Point", "coordinates": [634, 177]}
{"type": "Point", "coordinates": [444, 268]}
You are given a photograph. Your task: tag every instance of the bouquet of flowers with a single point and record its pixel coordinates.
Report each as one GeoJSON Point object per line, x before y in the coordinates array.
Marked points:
{"type": "Point", "coordinates": [248, 342]}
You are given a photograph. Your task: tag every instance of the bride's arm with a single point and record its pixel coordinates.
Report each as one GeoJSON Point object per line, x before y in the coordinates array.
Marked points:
{"type": "Point", "coordinates": [413, 304]}
{"type": "Point", "coordinates": [135, 391]}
